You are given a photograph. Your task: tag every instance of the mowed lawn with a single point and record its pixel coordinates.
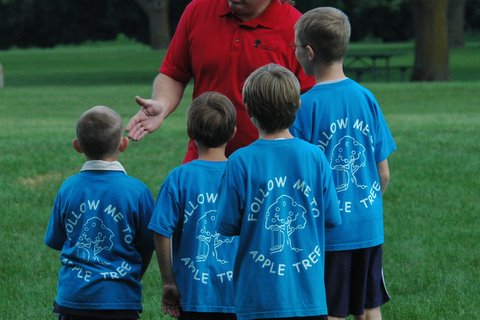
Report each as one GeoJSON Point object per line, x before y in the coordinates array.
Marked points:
{"type": "Point", "coordinates": [432, 206]}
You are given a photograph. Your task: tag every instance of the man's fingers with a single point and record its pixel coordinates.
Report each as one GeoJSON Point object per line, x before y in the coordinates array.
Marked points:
{"type": "Point", "coordinates": [131, 124]}
{"type": "Point", "coordinates": [137, 132]}
{"type": "Point", "coordinates": [140, 101]}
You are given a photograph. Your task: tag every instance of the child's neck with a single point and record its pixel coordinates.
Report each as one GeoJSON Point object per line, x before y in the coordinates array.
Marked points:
{"type": "Point", "coordinates": [278, 135]}
{"type": "Point", "coordinates": [112, 158]}
{"type": "Point", "coordinates": [212, 154]}
{"type": "Point", "coordinates": [329, 73]}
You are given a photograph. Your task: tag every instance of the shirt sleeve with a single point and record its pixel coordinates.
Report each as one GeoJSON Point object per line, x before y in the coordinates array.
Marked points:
{"type": "Point", "coordinates": [55, 235]}
{"type": "Point", "coordinates": [166, 213]}
{"type": "Point", "coordinates": [177, 61]}
{"type": "Point", "coordinates": [145, 239]}
{"type": "Point", "coordinates": [231, 203]}
{"type": "Point", "coordinates": [330, 199]}
{"type": "Point", "coordinates": [385, 144]}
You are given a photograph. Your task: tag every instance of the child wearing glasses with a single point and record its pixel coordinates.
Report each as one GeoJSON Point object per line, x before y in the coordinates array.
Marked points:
{"type": "Point", "coordinates": [344, 120]}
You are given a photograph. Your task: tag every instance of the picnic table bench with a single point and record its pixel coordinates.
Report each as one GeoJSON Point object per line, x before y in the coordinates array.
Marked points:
{"type": "Point", "coordinates": [374, 63]}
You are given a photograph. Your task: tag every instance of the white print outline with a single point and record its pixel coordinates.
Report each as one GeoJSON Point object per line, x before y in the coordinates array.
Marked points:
{"type": "Point", "coordinates": [346, 158]}
{"type": "Point", "coordinates": [207, 235]}
{"type": "Point", "coordinates": [94, 238]}
{"type": "Point", "coordinates": [284, 217]}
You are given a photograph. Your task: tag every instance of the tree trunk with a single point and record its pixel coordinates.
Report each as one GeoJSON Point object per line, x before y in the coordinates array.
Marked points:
{"type": "Point", "coordinates": [431, 41]}
{"type": "Point", "coordinates": [456, 23]}
{"type": "Point", "coordinates": [157, 13]}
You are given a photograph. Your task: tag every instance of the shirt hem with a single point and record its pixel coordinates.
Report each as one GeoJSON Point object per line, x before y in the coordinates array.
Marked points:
{"type": "Point", "coordinates": [285, 314]}
{"type": "Point", "coordinates": [353, 246]}
{"type": "Point", "coordinates": [208, 309]}
{"type": "Point", "coordinates": [99, 306]}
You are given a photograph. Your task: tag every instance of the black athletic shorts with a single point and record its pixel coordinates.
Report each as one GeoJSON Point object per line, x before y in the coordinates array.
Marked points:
{"type": "Point", "coordinates": [354, 281]}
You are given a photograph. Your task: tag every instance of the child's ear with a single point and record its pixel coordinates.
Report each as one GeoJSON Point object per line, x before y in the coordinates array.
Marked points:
{"type": "Point", "coordinates": [233, 134]}
{"type": "Point", "coordinates": [310, 52]}
{"type": "Point", "coordinates": [123, 144]}
{"type": "Point", "coordinates": [76, 145]}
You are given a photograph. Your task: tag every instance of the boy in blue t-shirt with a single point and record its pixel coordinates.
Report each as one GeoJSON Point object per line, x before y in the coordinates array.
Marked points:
{"type": "Point", "coordinates": [196, 262]}
{"type": "Point", "coordinates": [345, 121]}
{"type": "Point", "coordinates": [277, 194]}
{"type": "Point", "coordinates": [99, 223]}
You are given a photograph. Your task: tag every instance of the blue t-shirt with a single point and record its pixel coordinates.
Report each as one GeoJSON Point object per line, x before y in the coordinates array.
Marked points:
{"type": "Point", "coordinates": [185, 211]}
{"type": "Point", "coordinates": [99, 222]}
{"type": "Point", "coordinates": [345, 121]}
{"type": "Point", "coordinates": [278, 195]}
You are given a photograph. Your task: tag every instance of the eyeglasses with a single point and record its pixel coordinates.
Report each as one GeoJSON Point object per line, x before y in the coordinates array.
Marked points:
{"type": "Point", "coordinates": [294, 45]}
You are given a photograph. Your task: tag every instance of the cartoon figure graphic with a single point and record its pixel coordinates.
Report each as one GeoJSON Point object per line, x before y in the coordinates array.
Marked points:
{"type": "Point", "coordinates": [207, 236]}
{"type": "Point", "coordinates": [283, 218]}
{"type": "Point", "coordinates": [346, 158]}
{"type": "Point", "coordinates": [95, 238]}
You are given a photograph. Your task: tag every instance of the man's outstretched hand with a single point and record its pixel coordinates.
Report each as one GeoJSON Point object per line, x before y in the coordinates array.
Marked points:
{"type": "Point", "coordinates": [148, 119]}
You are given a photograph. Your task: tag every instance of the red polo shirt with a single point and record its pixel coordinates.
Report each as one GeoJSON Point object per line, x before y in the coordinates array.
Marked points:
{"type": "Point", "coordinates": [219, 51]}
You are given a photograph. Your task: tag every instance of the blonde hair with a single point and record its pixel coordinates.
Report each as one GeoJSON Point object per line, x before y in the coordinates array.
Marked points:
{"type": "Point", "coordinates": [327, 30]}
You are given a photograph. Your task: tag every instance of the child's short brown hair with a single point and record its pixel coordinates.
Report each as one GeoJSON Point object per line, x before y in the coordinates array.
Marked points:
{"type": "Point", "coordinates": [327, 30]}
{"type": "Point", "coordinates": [211, 119]}
{"type": "Point", "coordinates": [272, 96]}
{"type": "Point", "coordinates": [99, 131]}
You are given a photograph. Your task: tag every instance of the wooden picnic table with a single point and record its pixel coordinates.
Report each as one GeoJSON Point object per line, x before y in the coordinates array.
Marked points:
{"type": "Point", "coordinates": [373, 62]}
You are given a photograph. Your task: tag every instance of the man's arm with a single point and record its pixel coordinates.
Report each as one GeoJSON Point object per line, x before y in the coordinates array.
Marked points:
{"type": "Point", "coordinates": [166, 96]}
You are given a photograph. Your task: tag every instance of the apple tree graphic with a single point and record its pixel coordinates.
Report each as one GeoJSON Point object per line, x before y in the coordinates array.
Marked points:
{"type": "Point", "coordinates": [346, 158]}
{"type": "Point", "coordinates": [209, 239]}
{"type": "Point", "coordinates": [94, 238]}
{"type": "Point", "coordinates": [283, 218]}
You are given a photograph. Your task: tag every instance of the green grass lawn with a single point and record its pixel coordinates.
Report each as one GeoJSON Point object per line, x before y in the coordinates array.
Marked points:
{"type": "Point", "coordinates": [431, 255]}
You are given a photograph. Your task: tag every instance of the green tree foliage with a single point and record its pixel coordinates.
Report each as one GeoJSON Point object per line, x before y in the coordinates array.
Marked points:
{"type": "Point", "coordinates": [386, 20]}
{"type": "Point", "coordinates": [472, 16]}
{"type": "Point", "coordinates": [46, 23]}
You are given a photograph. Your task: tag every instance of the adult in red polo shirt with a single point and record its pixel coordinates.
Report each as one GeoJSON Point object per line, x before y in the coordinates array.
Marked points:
{"type": "Point", "coordinates": [219, 43]}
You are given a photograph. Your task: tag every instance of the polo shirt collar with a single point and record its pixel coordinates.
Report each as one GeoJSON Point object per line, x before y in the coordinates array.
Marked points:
{"type": "Point", "coordinates": [267, 19]}
{"type": "Point", "coordinates": [101, 165]}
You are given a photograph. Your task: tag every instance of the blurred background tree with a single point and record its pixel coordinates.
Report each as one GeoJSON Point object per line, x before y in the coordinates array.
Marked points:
{"type": "Point", "coordinates": [47, 23]}
{"type": "Point", "coordinates": [456, 23]}
{"type": "Point", "coordinates": [431, 40]}
{"type": "Point", "coordinates": [157, 14]}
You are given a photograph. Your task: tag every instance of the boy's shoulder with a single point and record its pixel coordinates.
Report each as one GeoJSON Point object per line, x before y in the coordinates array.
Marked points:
{"type": "Point", "coordinates": [196, 166]}
{"type": "Point", "coordinates": [327, 93]}
{"type": "Point", "coordinates": [199, 165]}
{"type": "Point", "coordinates": [93, 178]}
{"type": "Point", "coordinates": [259, 148]}
{"type": "Point", "coordinates": [335, 85]}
